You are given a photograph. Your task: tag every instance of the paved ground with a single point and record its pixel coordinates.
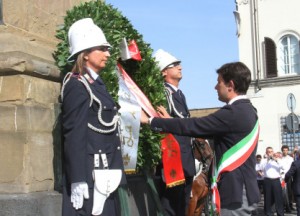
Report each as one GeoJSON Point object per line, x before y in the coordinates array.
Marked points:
{"type": "Point", "coordinates": [260, 210]}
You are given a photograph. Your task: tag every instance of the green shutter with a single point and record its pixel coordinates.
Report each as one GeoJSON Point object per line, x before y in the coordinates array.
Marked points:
{"type": "Point", "coordinates": [270, 57]}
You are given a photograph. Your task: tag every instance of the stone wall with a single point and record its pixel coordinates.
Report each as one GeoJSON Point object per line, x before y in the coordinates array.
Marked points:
{"type": "Point", "coordinates": [30, 144]}
{"type": "Point", "coordinates": [30, 25]}
{"type": "Point", "coordinates": [28, 115]}
{"type": "Point", "coordinates": [203, 112]}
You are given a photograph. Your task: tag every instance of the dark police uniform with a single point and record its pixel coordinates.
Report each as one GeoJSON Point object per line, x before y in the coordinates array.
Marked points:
{"type": "Point", "coordinates": [81, 142]}
{"type": "Point", "coordinates": [175, 199]}
{"type": "Point", "coordinates": [294, 173]}
{"type": "Point", "coordinates": [227, 127]}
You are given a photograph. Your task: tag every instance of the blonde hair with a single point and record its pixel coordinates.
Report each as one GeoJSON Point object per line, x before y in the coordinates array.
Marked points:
{"type": "Point", "coordinates": [80, 64]}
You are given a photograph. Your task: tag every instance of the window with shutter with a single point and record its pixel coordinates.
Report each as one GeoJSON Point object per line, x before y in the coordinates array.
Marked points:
{"type": "Point", "coordinates": [288, 56]}
{"type": "Point", "coordinates": [270, 57]}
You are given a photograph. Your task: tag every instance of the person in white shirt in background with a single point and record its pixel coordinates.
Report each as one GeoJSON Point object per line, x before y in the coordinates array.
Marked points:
{"type": "Point", "coordinates": [287, 161]}
{"type": "Point", "coordinates": [260, 174]}
{"type": "Point", "coordinates": [271, 167]}
{"type": "Point", "coordinates": [259, 178]}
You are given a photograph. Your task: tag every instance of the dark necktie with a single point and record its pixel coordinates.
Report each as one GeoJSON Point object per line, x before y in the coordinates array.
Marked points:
{"type": "Point", "coordinates": [180, 93]}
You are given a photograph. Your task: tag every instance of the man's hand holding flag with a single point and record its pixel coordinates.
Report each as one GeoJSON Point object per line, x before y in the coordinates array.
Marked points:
{"type": "Point", "coordinates": [173, 171]}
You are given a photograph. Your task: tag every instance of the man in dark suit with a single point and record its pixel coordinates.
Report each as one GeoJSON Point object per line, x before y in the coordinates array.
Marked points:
{"type": "Point", "coordinates": [228, 126]}
{"type": "Point", "coordinates": [294, 173]}
{"type": "Point", "coordinates": [175, 200]}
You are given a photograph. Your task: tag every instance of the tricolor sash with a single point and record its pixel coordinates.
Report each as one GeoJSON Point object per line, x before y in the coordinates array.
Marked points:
{"type": "Point", "coordinates": [171, 157]}
{"type": "Point", "coordinates": [232, 159]}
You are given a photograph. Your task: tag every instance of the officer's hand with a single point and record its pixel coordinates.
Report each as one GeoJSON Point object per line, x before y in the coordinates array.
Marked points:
{"type": "Point", "coordinates": [144, 118]}
{"type": "Point", "coordinates": [162, 112]}
{"type": "Point", "coordinates": [79, 191]}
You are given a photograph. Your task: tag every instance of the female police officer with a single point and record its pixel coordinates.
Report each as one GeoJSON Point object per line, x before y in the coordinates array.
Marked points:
{"type": "Point", "coordinates": [90, 127]}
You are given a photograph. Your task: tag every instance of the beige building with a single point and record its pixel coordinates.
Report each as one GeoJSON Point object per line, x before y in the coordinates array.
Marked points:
{"type": "Point", "coordinates": [202, 112]}
{"type": "Point", "coordinates": [268, 34]}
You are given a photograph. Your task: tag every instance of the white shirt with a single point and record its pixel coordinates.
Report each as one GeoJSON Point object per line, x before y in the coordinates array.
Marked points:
{"type": "Point", "coordinates": [286, 163]}
{"type": "Point", "coordinates": [237, 98]}
{"type": "Point", "coordinates": [271, 168]}
{"type": "Point", "coordinates": [258, 168]}
{"type": "Point", "coordinates": [93, 73]}
{"type": "Point", "coordinates": [174, 87]}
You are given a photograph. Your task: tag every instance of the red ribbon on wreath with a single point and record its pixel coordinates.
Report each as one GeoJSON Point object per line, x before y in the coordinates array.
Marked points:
{"type": "Point", "coordinates": [171, 156]}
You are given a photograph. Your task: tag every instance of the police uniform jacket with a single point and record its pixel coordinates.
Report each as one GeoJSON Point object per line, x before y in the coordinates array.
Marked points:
{"type": "Point", "coordinates": [187, 157]}
{"type": "Point", "coordinates": [294, 172]}
{"type": "Point", "coordinates": [81, 142]}
{"type": "Point", "coordinates": [227, 127]}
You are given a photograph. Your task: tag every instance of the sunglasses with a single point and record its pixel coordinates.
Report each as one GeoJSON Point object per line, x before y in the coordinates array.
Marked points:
{"type": "Point", "coordinates": [102, 48]}
{"type": "Point", "coordinates": [173, 65]}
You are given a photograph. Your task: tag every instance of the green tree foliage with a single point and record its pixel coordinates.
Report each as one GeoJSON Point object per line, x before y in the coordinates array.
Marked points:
{"type": "Point", "coordinates": [145, 73]}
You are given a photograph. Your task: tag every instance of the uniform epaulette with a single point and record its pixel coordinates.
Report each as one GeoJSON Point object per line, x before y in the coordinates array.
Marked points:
{"type": "Point", "coordinates": [89, 78]}
{"type": "Point", "coordinates": [77, 75]}
{"type": "Point", "coordinates": [167, 88]}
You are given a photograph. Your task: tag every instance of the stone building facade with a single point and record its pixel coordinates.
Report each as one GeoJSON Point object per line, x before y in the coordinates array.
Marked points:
{"type": "Point", "coordinates": [268, 34]}
{"type": "Point", "coordinates": [29, 105]}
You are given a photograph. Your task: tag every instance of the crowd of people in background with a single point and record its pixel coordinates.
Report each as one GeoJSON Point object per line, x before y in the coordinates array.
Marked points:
{"type": "Point", "coordinates": [277, 180]}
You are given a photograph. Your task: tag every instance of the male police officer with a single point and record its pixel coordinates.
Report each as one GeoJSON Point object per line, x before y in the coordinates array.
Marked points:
{"type": "Point", "coordinates": [175, 200]}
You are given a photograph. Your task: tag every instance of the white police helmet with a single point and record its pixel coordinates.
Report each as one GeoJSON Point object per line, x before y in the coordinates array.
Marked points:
{"type": "Point", "coordinates": [84, 34]}
{"type": "Point", "coordinates": [164, 59]}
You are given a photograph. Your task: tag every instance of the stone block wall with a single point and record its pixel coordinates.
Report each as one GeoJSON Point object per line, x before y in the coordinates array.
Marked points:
{"type": "Point", "coordinates": [30, 138]}
{"type": "Point", "coordinates": [30, 25]}
{"type": "Point", "coordinates": [28, 114]}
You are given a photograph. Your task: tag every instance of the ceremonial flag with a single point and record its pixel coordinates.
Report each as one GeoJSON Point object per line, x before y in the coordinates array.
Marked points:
{"type": "Point", "coordinates": [171, 157]}
{"type": "Point", "coordinates": [130, 51]}
{"type": "Point", "coordinates": [130, 126]}
{"type": "Point", "coordinates": [134, 51]}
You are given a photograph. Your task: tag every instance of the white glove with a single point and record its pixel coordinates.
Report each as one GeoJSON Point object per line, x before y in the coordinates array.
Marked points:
{"type": "Point", "coordinates": [79, 190]}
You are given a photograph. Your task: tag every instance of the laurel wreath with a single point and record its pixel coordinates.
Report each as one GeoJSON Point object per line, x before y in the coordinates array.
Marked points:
{"type": "Point", "coordinates": [145, 73]}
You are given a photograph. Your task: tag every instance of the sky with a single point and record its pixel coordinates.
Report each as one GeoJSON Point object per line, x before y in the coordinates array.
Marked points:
{"type": "Point", "coordinates": [202, 34]}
